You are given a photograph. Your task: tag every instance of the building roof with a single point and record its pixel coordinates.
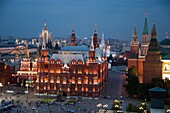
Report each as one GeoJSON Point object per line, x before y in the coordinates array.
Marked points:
{"type": "Point", "coordinates": [165, 42]}
{"type": "Point", "coordinates": [157, 89]}
{"type": "Point", "coordinates": [75, 48]}
{"type": "Point", "coordinates": [67, 58]}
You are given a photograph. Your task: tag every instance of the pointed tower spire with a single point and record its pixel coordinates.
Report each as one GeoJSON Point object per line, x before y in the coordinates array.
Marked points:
{"type": "Point", "coordinates": [145, 29]}
{"type": "Point", "coordinates": [95, 28]}
{"type": "Point", "coordinates": [45, 25]}
{"type": "Point", "coordinates": [153, 46]}
{"type": "Point", "coordinates": [73, 28]}
{"type": "Point", "coordinates": [92, 44]}
{"type": "Point", "coordinates": [134, 32]}
{"type": "Point", "coordinates": [27, 55]}
{"type": "Point", "coordinates": [153, 33]}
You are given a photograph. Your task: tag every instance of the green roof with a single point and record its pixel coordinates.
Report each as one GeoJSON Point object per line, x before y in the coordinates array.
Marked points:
{"type": "Point", "coordinates": [165, 42]}
{"type": "Point", "coordinates": [157, 89]}
{"type": "Point", "coordinates": [145, 29]}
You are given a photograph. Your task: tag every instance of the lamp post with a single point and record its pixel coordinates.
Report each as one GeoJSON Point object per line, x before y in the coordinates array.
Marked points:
{"type": "Point", "coordinates": [33, 109]}
{"type": "Point", "coordinates": [1, 87]}
{"type": "Point", "coordinates": [27, 87]}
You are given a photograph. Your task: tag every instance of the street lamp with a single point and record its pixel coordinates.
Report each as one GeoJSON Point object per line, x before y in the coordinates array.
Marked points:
{"type": "Point", "coordinates": [33, 109]}
{"type": "Point", "coordinates": [27, 87]}
{"type": "Point", "coordinates": [1, 87]}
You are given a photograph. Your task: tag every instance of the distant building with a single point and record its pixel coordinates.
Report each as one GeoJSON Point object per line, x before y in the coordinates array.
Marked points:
{"type": "Point", "coordinates": [46, 35]}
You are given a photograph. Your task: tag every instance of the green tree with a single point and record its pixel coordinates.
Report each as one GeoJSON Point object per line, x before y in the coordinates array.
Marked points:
{"type": "Point", "coordinates": [132, 81]}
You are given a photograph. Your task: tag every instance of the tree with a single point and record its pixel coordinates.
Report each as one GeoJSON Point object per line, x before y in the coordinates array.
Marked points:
{"type": "Point", "coordinates": [132, 81]}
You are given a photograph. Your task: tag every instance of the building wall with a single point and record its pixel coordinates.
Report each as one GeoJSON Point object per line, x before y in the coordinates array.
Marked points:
{"type": "Point", "coordinates": [85, 80]}
{"type": "Point", "coordinates": [152, 67]}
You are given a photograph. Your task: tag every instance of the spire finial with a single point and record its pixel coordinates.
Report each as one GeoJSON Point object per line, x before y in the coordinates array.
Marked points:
{"type": "Point", "coordinates": [146, 14]}
{"type": "Point", "coordinates": [166, 34]}
{"type": "Point", "coordinates": [134, 32]}
{"type": "Point", "coordinates": [45, 24]}
{"type": "Point", "coordinates": [95, 28]}
{"type": "Point", "coordinates": [72, 28]}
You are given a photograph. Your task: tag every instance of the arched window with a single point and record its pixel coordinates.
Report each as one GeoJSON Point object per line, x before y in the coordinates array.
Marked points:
{"type": "Point", "coordinates": [64, 80]}
{"type": "Point", "coordinates": [85, 80]}
{"type": "Point", "coordinates": [58, 79]}
{"type": "Point", "coordinates": [52, 61]}
{"type": "Point", "coordinates": [73, 80]}
{"type": "Point", "coordinates": [58, 61]}
{"type": "Point", "coordinates": [73, 62]}
{"type": "Point", "coordinates": [80, 62]}
{"type": "Point", "coordinates": [79, 80]}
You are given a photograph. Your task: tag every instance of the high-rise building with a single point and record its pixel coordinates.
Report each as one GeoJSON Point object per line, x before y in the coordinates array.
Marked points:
{"type": "Point", "coordinates": [46, 35]}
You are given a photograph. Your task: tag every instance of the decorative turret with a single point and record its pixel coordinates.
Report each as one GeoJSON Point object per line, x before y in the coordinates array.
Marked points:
{"type": "Point", "coordinates": [95, 37]}
{"type": "Point", "coordinates": [134, 44]}
{"type": "Point", "coordinates": [134, 37]}
{"type": "Point", "coordinates": [92, 44]}
{"type": "Point", "coordinates": [45, 25]}
{"type": "Point", "coordinates": [92, 51]}
{"type": "Point", "coordinates": [73, 38]}
{"type": "Point", "coordinates": [27, 55]}
{"type": "Point", "coordinates": [153, 46]}
{"type": "Point", "coordinates": [103, 45]}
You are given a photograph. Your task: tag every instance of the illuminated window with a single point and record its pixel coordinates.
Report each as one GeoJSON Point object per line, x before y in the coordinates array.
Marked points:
{"type": "Point", "coordinates": [64, 80]}
{"type": "Point", "coordinates": [73, 80]}
{"type": "Point", "coordinates": [79, 71]}
{"type": "Point", "coordinates": [76, 88]}
{"type": "Point", "coordinates": [95, 80]}
{"type": "Point", "coordinates": [58, 61]}
{"type": "Point", "coordinates": [79, 80]}
{"type": "Point", "coordinates": [74, 71]}
{"type": "Point", "coordinates": [54, 87]}
{"type": "Point", "coordinates": [82, 89]}
{"type": "Point", "coordinates": [58, 70]}
{"type": "Point", "coordinates": [80, 62]}
{"type": "Point", "coordinates": [41, 79]}
{"type": "Point", "coordinates": [51, 70]}
{"type": "Point", "coordinates": [46, 80]}
{"type": "Point", "coordinates": [166, 67]}
{"type": "Point", "coordinates": [93, 89]}
{"type": "Point", "coordinates": [52, 80]}
{"type": "Point", "coordinates": [44, 87]}
{"type": "Point", "coordinates": [86, 89]}
{"type": "Point", "coordinates": [85, 80]}
{"type": "Point", "coordinates": [73, 62]}
{"type": "Point", "coordinates": [38, 87]}
{"type": "Point", "coordinates": [52, 61]}
{"type": "Point", "coordinates": [58, 79]}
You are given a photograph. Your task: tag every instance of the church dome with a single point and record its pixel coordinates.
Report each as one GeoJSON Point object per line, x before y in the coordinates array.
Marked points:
{"type": "Point", "coordinates": [165, 42]}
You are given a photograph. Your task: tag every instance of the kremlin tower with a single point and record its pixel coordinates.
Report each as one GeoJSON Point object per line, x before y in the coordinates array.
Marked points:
{"type": "Point", "coordinates": [152, 64]}
{"type": "Point", "coordinates": [145, 38]}
{"type": "Point", "coordinates": [73, 38]}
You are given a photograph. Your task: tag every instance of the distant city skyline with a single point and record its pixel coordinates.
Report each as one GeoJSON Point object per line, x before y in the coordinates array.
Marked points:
{"type": "Point", "coordinates": [114, 18]}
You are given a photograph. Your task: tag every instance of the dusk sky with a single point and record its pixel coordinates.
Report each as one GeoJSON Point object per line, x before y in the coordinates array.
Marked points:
{"type": "Point", "coordinates": [115, 18]}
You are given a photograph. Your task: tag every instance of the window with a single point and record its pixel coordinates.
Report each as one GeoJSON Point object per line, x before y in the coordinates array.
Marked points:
{"type": "Point", "coordinates": [79, 80]}
{"type": "Point", "coordinates": [64, 80]}
{"type": "Point", "coordinates": [58, 79]}
{"type": "Point", "coordinates": [73, 62]}
{"type": "Point", "coordinates": [73, 80]}
{"type": "Point", "coordinates": [80, 62]}
{"type": "Point", "coordinates": [85, 80]}
{"type": "Point", "coordinates": [58, 61]}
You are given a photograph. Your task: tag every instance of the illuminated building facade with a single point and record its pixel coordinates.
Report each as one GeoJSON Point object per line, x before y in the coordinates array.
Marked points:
{"type": "Point", "coordinates": [28, 70]}
{"type": "Point", "coordinates": [45, 35]}
{"type": "Point", "coordinates": [75, 71]}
